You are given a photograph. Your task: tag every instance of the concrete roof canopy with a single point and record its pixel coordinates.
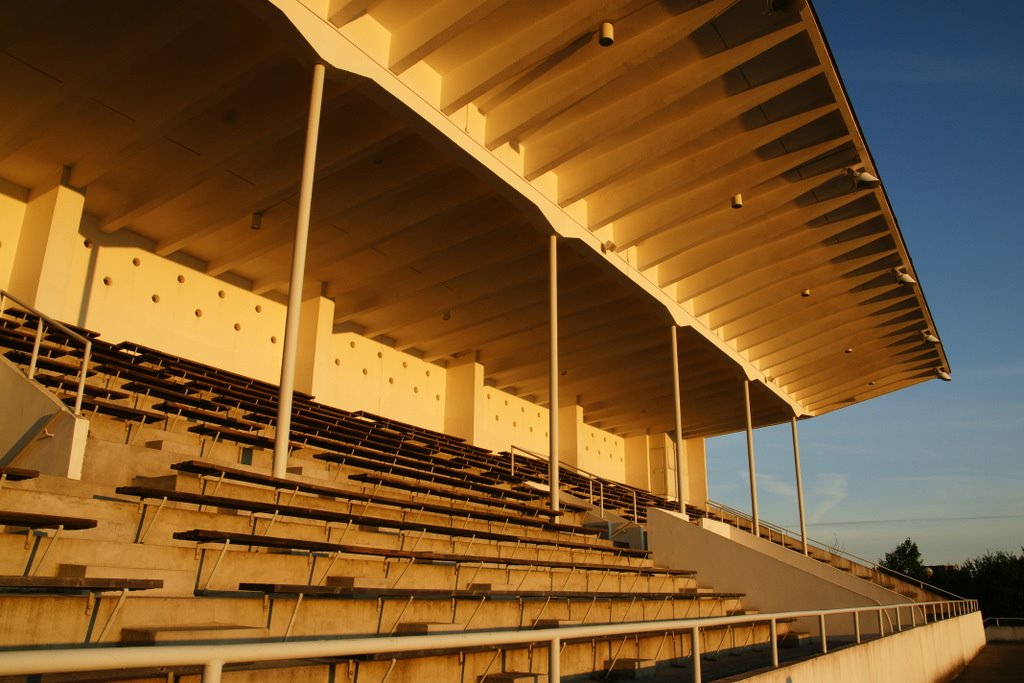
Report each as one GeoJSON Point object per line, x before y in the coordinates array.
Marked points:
{"type": "Point", "coordinates": [456, 137]}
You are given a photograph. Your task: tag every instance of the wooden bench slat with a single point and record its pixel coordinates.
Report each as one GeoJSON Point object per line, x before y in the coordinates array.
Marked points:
{"type": "Point", "coordinates": [35, 520]}
{"type": "Point", "coordinates": [76, 583]}
{"type": "Point", "coordinates": [282, 543]}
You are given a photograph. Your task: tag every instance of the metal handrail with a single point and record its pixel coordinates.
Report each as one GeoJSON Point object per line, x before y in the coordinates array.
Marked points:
{"type": "Point", "coordinates": [41, 317]}
{"type": "Point", "coordinates": [789, 533]}
{"type": "Point", "coordinates": [601, 481]}
{"type": "Point", "coordinates": [996, 621]}
{"type": "Point", "coordinates": [214, 657]}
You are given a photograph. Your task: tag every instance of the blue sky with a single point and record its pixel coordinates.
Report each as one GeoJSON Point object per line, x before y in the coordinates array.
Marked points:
{"type": "Point", "coordinates": [938, 88]}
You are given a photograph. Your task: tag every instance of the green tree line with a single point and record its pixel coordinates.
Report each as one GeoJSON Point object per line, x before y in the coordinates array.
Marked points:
{"type": "Point", "coordinates": [995, 579]}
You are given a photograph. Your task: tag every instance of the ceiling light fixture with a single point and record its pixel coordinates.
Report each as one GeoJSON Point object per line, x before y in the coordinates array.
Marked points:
{"type": "Point", "coordinates": [929, 337]}
{"type": "Point", "coordinates": [607, 37]}
{"type": "Point", "coordinates": [943, 375]}
{"type": "Point", "coordinates": [257, 220]}
{"type": "Point", "coordinates": [737, 201]}
{"type": "Point", "coordinates": [862, 179]}
{"type": "Point", "coordinates": [903, 277]}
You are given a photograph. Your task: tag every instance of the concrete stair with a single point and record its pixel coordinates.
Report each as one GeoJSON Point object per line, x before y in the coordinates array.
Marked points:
{"type": "Point", "coordinates": [208, 632]}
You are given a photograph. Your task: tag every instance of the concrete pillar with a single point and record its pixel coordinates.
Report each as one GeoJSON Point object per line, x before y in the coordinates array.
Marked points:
{"type": "Point", "coordinates": [638, 462]}
{"type": "Point", "coordinates": [43, 264]}
{"type": "Point", "coordinates": [316, 333]}
{"type": "Point", "coordinates": [464, 381]}
{"type": "Point", "coordinates": [696, 472]}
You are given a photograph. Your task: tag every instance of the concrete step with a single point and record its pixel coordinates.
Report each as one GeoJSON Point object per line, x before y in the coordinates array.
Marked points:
{"type": "Point", "coordinates": [423, 628]}
{"type": "Point", "coordinates": [513, 677]}
{"type": "Point", "coordinates": [176, 582]}
{"type": "Point", "coordinates": [794, 639]}
{"type": "Point", "coordinates": [152, 635]}
{"type": "Point", "coordinates": [357, 582]}
{"type": "Point", "coordinates": [628, 669]}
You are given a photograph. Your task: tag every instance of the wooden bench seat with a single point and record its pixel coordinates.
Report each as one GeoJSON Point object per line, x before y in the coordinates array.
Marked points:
{"type": "Point", "coordinates": [319, 514]}
{"type": "Point", "coordinates": [236, 435]}
{"type": "Point", "coordinates": [442, 492]}
{"type": "Point", "coordinates": [289, 589]}
{"type": "Point", "coordinates": [74, 584]}
{"type": "Point", "coordinates": [208, 469]}
{"type": "Point", "coordinates": [294, 544]}
{"type": "Point", "coordinates": [70, 384]}
{"type": "Point", "coordinates": [33, 520]}
{"type": "Point", "coordinates": [362, 462]}
{"type": "Point", "coordinates": [17, 473]}
{"type": "Point", "coordinates": [195, 412]}
{"type": "Point", "coordinates": [61, 367]}
{"type": "Point", "coordinates": [118, 410]}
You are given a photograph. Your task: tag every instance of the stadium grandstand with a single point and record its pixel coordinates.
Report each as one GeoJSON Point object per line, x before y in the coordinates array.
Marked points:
{"type": "Point", "coordinates": [379, 340]}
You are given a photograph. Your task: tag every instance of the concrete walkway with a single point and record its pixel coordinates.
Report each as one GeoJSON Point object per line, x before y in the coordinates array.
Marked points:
{"type": "Point", "coordinates": [996, 662]}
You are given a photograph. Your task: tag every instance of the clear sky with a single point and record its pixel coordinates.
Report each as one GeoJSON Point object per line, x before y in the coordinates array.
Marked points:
{"type": "Point", "coordinates": [938, 88]}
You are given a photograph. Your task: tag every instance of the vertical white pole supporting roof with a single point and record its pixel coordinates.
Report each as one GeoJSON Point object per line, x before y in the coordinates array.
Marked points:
{"type": "Point", "coordinates": [750, 461]}
{"type": "Point", "coordinates": [553, 373]}
{"type": "Point", "coordinates": [680, 458]}
{"type": "Point", "coordinates": [295, 283]}
{"type": "Point", "coordinates": [799, 487]}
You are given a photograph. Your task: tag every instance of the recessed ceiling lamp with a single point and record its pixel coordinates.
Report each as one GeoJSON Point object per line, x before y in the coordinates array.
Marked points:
{"type": "Point", "coordinates": [607, 36]}
{"type": "Point", "coordinates": [943, 375]}
{"type": "Point", "coordinates": [929, 337]}
{"type": "Point", "coordinates": [862, 179]}
{"type": "Point", "coordinates": [903, 277]}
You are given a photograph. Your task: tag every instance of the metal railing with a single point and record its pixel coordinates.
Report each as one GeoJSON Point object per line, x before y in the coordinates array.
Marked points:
{"type": "Point", "coordinates": [1004, 621]}
{"type": "Point", "coordinates": [41, 321]}
{"type": "Point", "coordinates": [214, 657]}
{"type": "Point", "coordinates": [589, 476]}
{"type": "Point", "coordinates": [785, 534]}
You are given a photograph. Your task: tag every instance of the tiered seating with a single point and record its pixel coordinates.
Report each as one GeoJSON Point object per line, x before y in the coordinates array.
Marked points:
{"type": "Point", "coordinates": [381, 528]}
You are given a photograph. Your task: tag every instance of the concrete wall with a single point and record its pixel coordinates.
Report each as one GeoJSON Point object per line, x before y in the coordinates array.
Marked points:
{"type": "Point", "coordinates": [996, 634]}
{"type": "Point", "coordinates": [928, 654]}
{"type": "Point", "coordinates": [36, 430]}
{"type": "Point", "coordinates": [52, 253]}
{"type": "Point", "coordinates": [773, 578]}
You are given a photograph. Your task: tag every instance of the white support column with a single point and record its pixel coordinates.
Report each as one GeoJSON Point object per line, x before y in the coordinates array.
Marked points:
{"type": "Point", "coordinates": [553, 373]}
{"type": "Point", "coordinates": [555, 660]}
{"type": "Point", "coordinates": [298, 274]}
{"type": "Point", "coordinates": [750, 460]}
{"type": "Point", "coordinates": [799, 487]}
{"type": "Point", "coordinates": [680, 456]}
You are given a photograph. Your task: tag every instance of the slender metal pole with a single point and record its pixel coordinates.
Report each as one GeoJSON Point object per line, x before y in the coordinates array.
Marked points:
{"type": "Point", "coordinates": [676, 393]}
{"type": "Point", "coordinates": [80, 392]}
{"type": "Point", "coordinates": [553, 373]}
{"type": "Point", "coordinates": [34, 360]}
{"type": "Point", "coordinates": [555, 661]}
{"type": "Point", "coordinates": [774, 636]}
{"type": "Point", "coordinates": [695, 653]}
{"type": "Point", "coordinates": [799, 488]}
{"type": "Point", "coordinates": [298, 274]}
{"type": "Point", "coordinates": [750, 461]}
{"type": "Point", "coordinates": [821, 632]}
{"type": "Point", "coordinates": [212, 671]}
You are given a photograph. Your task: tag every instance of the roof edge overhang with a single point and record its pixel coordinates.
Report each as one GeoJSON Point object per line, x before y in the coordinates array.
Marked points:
{"type": "Point", "coordinates": [338, 52]}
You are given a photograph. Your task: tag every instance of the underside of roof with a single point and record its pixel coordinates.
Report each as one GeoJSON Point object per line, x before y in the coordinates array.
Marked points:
{"type": "Point", "coordinates": [456, 136]}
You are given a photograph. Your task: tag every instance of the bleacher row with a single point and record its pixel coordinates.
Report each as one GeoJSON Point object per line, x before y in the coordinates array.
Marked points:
{"type": "Point", "coordinates": [381, 528]}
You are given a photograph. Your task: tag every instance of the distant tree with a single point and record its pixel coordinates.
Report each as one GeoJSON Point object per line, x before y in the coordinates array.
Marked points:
{"type": "Point", "coordinates": [905, 559]}
{"type": "Point", "coordinates": [995, 580]}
